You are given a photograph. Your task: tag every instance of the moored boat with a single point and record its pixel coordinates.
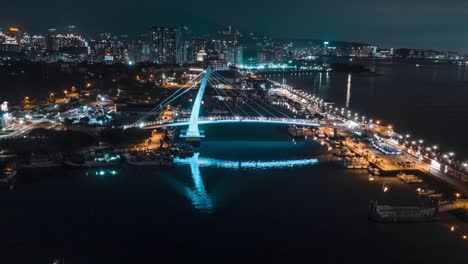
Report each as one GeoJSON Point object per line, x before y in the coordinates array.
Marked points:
{"type": "Point", "coordinates": [408, 179]}
{"type": "Point", "coordinates": [154, 158]}
{"type": "Point", "coordinates": [94, 157]}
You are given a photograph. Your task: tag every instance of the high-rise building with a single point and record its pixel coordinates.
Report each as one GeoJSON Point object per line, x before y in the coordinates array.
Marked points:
{"type": "Point", "coordinates": [165, 45]}
{"type": "Point", "coordinates": [239, 57]}
{"type": "Point", "coordinates": [10, 41]}
{"type": "Point", "coordinates": [183, 45]}
{"type": "Point", "coordinates": [193, 47]}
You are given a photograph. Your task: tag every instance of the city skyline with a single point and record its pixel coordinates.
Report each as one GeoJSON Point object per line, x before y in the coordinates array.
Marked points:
{"type": "Point", "coordinates": [426, 25]}
{"type": "Point", "coordinates": [182, 45]}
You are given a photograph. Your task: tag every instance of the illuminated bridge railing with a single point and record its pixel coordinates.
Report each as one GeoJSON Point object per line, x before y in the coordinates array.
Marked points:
{"type": "Point", "coordinates": [227, 119]}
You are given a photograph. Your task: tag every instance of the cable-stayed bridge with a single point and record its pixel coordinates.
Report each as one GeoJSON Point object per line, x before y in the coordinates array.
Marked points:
{"type": "Point", "coordinates": [245, 109]}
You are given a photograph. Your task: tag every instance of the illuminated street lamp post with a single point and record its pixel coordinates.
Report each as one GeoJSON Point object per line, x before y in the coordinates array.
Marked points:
{"type": "Point", "coordinates": [26, 101]}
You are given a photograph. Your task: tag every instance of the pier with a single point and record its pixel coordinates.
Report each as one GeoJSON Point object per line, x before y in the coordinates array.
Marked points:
{"type": "Point", "coordinates": [388, 165]}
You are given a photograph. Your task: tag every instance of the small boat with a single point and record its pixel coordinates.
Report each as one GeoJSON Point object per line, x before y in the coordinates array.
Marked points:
{"type": "Point", "coordinates": [93, 158]}
{"type": "Point", "coordinates": [408, 179]}
{"type": "Point", "coordinates": [373, 171]}
{"type": "Point", "coordinates": [421, 191]}
{"type": "Point", "coordinates": [150, 159]}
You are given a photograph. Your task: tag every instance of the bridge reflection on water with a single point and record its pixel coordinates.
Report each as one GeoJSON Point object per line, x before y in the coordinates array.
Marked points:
{"type": "Point", "coordinates": [197, 193]}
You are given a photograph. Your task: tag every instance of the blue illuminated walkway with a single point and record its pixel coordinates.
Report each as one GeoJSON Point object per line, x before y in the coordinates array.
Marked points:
{"type": "Point", "coordinates": [228, 119]}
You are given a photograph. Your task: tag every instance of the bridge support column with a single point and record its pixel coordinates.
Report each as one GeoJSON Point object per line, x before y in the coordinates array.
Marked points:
{"type": "Point", "coordinates": [193, 133]}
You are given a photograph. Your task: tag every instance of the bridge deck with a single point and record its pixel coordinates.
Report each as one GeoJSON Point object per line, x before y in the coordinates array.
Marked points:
{"type": "Point", "coordinates": [224, 120]}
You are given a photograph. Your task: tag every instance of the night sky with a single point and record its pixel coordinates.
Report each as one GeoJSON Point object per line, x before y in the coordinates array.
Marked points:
{"type": "Point", "coordinates": [437, 24]}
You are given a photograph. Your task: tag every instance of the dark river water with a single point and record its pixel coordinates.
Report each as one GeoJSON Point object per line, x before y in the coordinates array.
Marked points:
{"type": "Point", "coordinates": [250, 196]}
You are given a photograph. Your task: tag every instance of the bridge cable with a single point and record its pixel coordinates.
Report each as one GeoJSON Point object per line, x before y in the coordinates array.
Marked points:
{"type": "Point", "coordinates": [248, 98]}
{"type": "Point", "coordinates": [229, 108]}
{"type": "Point", "coordinates": [253, 101]}
{"type": "Point", "coordinates": [222, 90]}
{"type": "Point", "coordinates": [235, 85]}
{"type": "Point", "coordinates": [271, 107]}
{"type": "Point", "coordinates": [245, 100]}
{"type": "Point", "coordinates": [240, 108]}
{"type": "Point", "coordinates": [160, 106]}
{"type": "Point", "coordinates": [181, 89]}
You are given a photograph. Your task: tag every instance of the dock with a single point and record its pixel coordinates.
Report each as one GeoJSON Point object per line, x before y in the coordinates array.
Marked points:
{"type": "Point", "coordinates": [388, 214]}
{"type": "Point", "coordinates": [390, 165]}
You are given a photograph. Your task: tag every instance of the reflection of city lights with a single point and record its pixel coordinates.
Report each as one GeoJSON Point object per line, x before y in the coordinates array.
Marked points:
{"type": "Point", "coordinates": [198, 195]}
{"type": "Point", "coordinates": [210, 162]}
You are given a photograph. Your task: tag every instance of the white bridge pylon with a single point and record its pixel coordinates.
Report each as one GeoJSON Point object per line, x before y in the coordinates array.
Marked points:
{"type": "Point", "coordinates": [193, 132]}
